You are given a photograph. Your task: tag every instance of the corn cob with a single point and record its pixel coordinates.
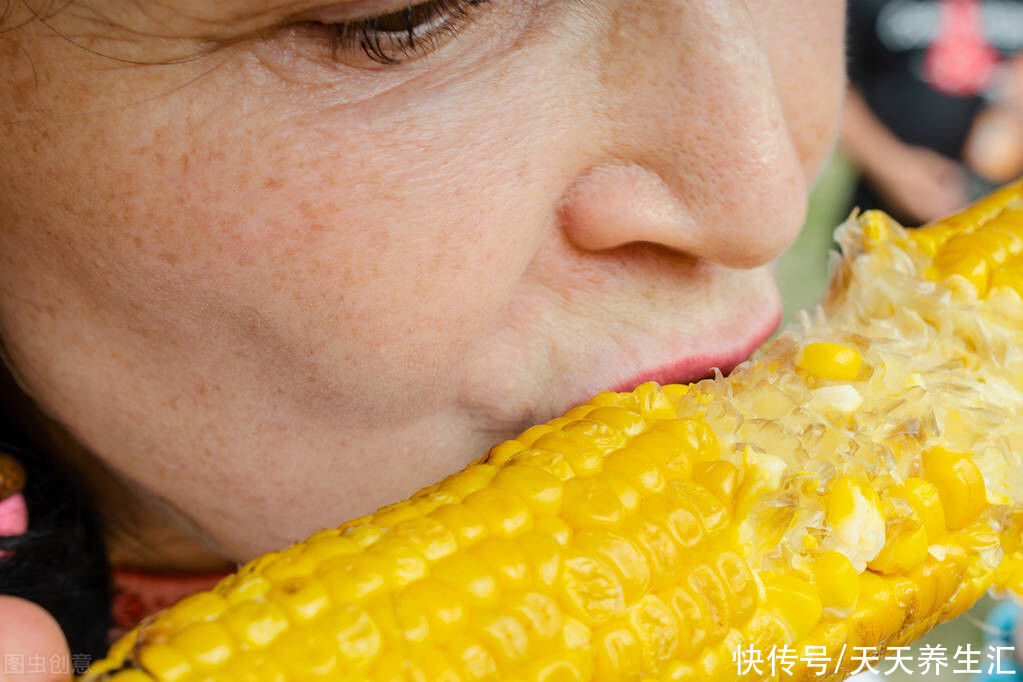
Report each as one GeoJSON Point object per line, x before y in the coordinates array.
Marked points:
{"type": "Point", "coordinates": [854, 483]}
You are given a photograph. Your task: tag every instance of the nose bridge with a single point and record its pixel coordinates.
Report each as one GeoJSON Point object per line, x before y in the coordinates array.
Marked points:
{"type": "Point", "coordinates": [696, 104]}
{"type": "Point", "coordinates": [697, 69]}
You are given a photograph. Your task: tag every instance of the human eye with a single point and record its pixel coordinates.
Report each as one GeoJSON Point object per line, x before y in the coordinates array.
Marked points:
{"type": "Point", "coordinates": [411, 32]}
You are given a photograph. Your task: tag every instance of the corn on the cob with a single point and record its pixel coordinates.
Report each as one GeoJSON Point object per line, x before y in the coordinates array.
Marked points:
{"type": "Point", "coordinates": [853, 484]}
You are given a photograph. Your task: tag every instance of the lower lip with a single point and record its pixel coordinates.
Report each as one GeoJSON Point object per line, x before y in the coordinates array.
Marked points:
{"type": "Point", "coordinates": [696, 367]}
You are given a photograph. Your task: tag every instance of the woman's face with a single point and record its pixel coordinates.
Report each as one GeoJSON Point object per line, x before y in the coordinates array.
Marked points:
{"type": "Point", "coordinates": [278, 284]}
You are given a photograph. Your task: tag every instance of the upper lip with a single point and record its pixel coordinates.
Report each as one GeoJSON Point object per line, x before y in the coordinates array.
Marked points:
{"type": "Point", "coordinates": [700, 365]}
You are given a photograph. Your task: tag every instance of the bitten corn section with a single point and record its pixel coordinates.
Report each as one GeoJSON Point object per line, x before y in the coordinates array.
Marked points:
{"type": "Point", "coordinates": [853, 484]}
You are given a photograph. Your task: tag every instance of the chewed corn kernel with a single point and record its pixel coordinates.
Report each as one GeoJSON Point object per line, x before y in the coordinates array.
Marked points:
{"type": "Point", "coordinates": [834, 361]}
{"type": "Point", "coordinates": [854, 512]}
{"type": "Point", "coordinates": [828, 493]}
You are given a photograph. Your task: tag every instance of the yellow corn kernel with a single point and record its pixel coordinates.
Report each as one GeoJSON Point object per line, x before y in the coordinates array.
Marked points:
{"type": "Point", "coordinates": [436, 607]}
{"type": "Point", "coordinates": [905, 548]}
{"type": "Point", "coordinates": [306, 655]}
{"type": "Point", "coordinates": [537, 488]}
{"type": "Point", "coordinates": [741, 586]}
{"type": "Point", "coordinates": [794, 600]}
{"type": "Point", "coordinates": [206, 643]}
{"type": "Point", "coordinates": [590, 589]}
{"type": "Point", "coordinates": [836, 581]}
{"type": "Point", "coordinates": [709, 590]}
{"type": "Point", "coordinates": [357, 635]}
{"type": "Point", "coordinates": [1011, 278]}
{"type": "Point", "coordinates": [428, 535]}
{"type": "Point", "coordinates": [469, 480]}
{"type": "Point", "coordinates": [543, 553]}
{"type": "Point", "coordinates": [164, 662]}
{"type": "Point", "coordinates": [470, 576]}
{"type": "Point", "coordinates": [621, 555]}
{"type": "Point", "coordinates": [203, 606]}
{"type": "Point", "coordinates": [507, 561]}
{"type": "Point", "coordinates": [504, 636]}
{"type": "Point", "coordinates": [533, 433]}
{"type": "Point", "coordinates": [931, 237]}
{"type": "Point", "coordinates": [694, 436]}
{"type": "Point", "coordinates": [679, 516]}
{"type": "Point", "coordinates": [398, 561]}
{"type": "Point", "coordinates": [627, 493]}
{"type": "Point", "coordinates": [832, 361]}
{"type": "Point", "coordinates": [302, 598]}
{"type": "Point", "coordinates": [721, 478]}
{"type": "Point", "coordinates": [925, 499]}
{"type": "Point", "coordinates": [503, 451]}
{"type": "Point", "coordinates": [590, 502]}
{"type": "Point", "coordinates": [395, 514]}
{"type": "Point", "coordinates": [625, 421]}
{"type": "Point", "coordinates": [970, 265]}
{"type": "Point", "coordinates": [668, 454]}
{"type": "Point", "coordinates": [618, 655]}
{"type": "Point", "coordinates": [352, 578]}
{"type": "Point", "coordinates": [692, 620]}
{"type": "Point", "coordinates": [656, 630]}
{"type": "Point", "coordinates": [875, 227]}
{"type": "Point", "coordinates": [245, 588]}
{"type": "Point", "coordinates": [653, 403]}
{"type": "Point", "coordinates": [256, 623]}
{"type": "Point", "coordinates": [540, 613]}
{"type": "Point", "coordinates": [960, 485]}
{"type": "Point", "coordinates": [465, 524]}
{"type": "Point", "coordinates": [675, 391]}
{"type": "Point", "coordinates": [554, 527]}
{"type": "Point", "coordinates": [431, 665]}
{"type": "Point", "coordinates": [473, 660]}
{"type": "Point", "coordinates": [662, 553]}
{"type": "Point", "coordinates": [637, 468]}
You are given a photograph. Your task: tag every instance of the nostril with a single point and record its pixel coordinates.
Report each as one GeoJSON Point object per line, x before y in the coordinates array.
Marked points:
{"type": "Point", "coordinates": [614, 203]}
{"type": "Point", "coordinates": [729, 219]}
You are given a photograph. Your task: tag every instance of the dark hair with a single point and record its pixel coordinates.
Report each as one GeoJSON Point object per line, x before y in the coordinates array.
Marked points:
{"type": "Point", "coordinates": [60, 563]}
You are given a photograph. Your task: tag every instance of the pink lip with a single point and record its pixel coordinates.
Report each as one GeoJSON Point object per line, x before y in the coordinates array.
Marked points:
{"type": "Point", "coordinates": [700, 366]}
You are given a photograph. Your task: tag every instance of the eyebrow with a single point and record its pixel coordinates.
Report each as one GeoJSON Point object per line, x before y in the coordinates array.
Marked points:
{"type": "Point", "coordinates": [235, 10]}
{"type": "Point", "coordinates": [198, 19]}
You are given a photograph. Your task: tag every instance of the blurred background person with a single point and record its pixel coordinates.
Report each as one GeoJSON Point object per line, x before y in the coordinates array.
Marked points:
{"type": "Point", "coordinates": [934, 113]}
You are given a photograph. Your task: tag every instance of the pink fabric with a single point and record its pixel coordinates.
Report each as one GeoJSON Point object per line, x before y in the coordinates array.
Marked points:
{"type": "Point", "coordinates": [13, 515]}
{"type": "Point", "coordinates": [13, 518]}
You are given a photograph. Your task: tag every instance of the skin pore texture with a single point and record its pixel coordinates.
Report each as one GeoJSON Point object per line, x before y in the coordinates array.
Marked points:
{"type": "Point", "coordinates": [265, 287]}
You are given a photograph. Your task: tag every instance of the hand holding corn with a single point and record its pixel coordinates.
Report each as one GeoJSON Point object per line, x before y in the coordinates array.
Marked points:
{"type": "Point", "coordinates": [853, 484]}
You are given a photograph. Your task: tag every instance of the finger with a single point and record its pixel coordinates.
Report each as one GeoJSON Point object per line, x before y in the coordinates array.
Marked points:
{"type": "Point", "coordinates": [32, 646]}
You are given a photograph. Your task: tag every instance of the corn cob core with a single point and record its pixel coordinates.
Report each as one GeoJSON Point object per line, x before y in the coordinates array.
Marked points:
{"type": "Point", "coordinates": [858, 481]}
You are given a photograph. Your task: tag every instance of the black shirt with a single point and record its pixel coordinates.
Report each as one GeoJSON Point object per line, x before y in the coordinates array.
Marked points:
{"type": "Point", "coordinates": [923, 66]}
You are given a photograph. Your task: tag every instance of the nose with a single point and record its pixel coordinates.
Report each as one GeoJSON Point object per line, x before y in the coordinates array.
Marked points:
{"type": "Point", "coordinates": [697, 155]}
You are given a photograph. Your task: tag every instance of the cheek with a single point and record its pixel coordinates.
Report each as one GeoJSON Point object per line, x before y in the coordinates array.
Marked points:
{"type": "Point", "coordinates": [370, 246]}
{"type": "Point", "coordinates": [805, 42]}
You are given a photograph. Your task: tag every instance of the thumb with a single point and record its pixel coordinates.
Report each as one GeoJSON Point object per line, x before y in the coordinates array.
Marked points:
{"type": "Point", "coordinates": [32, 646]}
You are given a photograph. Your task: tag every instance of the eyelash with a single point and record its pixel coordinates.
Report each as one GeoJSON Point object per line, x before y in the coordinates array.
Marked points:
{"type": "Point", "coordinates": [392, 46]}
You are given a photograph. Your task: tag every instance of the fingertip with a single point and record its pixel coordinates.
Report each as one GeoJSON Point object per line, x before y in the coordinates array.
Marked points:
{"type": "Point", "coordinates": [29, 634]}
